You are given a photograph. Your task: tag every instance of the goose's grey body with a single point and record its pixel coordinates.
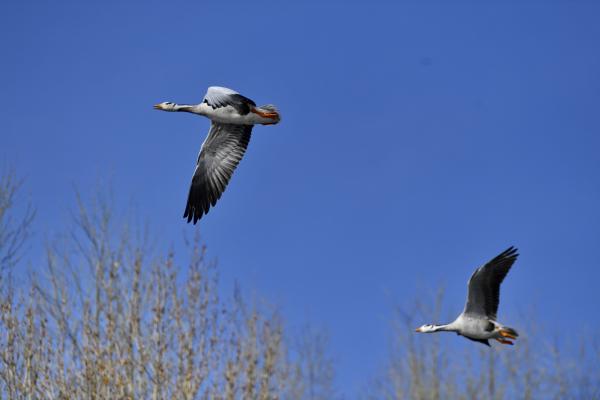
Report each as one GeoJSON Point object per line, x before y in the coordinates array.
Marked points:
{"type": "Point", "coordinates": [478, 320]}
{"type": "Point", "coordinates": [232, 118]}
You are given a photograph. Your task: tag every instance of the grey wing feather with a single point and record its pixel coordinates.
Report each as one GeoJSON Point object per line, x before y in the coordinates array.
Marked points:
{"type": "Point", "coordinates": [484, 286]}
{"type": "Point", "coordinates": [220, 154]}
{"type": "Point", "coordinates": [218, 97]}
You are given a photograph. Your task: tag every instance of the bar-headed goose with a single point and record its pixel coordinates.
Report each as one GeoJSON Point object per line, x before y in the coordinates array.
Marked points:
{"type": "Point", "coordinates": [478, 320]}
{"type": "Point", "coordinates": [232, 116]}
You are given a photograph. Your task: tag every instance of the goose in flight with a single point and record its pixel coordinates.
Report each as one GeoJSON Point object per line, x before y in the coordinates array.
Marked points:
{"type": "Point", "coordinates": [478, 320]}
{"type": "Point", "coordinates": [232, 118]}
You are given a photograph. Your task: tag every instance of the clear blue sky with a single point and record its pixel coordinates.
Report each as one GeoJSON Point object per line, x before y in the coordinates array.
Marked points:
{"type": "Point", "coordinates": [417, 141]}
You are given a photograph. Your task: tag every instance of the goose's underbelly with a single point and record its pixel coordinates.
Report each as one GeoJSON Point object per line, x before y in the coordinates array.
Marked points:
{"type": "Point", "coordinates": [229, 115]}
{"type": "Point", "coordinates": [476, 328]}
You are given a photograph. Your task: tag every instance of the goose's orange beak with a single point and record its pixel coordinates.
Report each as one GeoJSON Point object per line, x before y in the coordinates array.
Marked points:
{"type": "Point", "coordinates": [507, 334]}
{"type": "Point", "coordinates": [157, 107]}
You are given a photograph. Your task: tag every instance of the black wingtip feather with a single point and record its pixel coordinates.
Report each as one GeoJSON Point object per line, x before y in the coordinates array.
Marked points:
{"type": "Point", "coordinates": [192, 214]}
{"type": "Point", "coordinates": [482, 341]}
{"type": "Point", "coordinates": [511, 252]}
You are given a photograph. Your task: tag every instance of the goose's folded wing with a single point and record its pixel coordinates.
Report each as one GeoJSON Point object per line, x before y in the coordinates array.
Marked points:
{"type": "Point", "coordinates": [220, 154]}
{"type": "Point", "coordinates": [218, 97]}
{"type": "Point", "coordinates": [484, 286]}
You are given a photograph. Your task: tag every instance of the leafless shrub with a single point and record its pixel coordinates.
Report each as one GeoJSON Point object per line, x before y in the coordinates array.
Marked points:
{"type": "Point", "coordinates": [314, 371]}
{"type": "Point", "coordinates": [14, 231]}
{"type": "Point", "coordinates": [106, 319]}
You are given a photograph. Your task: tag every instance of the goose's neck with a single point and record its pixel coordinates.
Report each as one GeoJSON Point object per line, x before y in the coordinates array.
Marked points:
{"type": "Point", "coordinates": [445, 328]}
{"type": "Point", "coordinates": [195, 109]}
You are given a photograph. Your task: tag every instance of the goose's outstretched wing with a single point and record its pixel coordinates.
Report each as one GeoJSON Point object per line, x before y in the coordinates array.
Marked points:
{"type": "Point", "coordinates": [220, 154]}
{"type": "Point", "coordinates": [484, 286]}
{"type": "Point", "coordinates": [218, 97]}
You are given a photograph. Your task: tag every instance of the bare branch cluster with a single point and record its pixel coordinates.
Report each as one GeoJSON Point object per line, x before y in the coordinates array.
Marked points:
{"type": "Point", "coordinates": [107, 320]}
{"type": "Point", "coordinates": [13, 231]}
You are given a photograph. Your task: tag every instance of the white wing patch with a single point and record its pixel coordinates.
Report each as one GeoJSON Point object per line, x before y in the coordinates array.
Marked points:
{"type": "Point", "coordinates": [218, 96]}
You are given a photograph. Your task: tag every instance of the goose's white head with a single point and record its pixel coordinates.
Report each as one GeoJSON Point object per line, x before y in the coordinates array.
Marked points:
{"type": "Point", "coordinates": [165, 106]}
{"type": "Point", "coordinates": [427, 328]}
